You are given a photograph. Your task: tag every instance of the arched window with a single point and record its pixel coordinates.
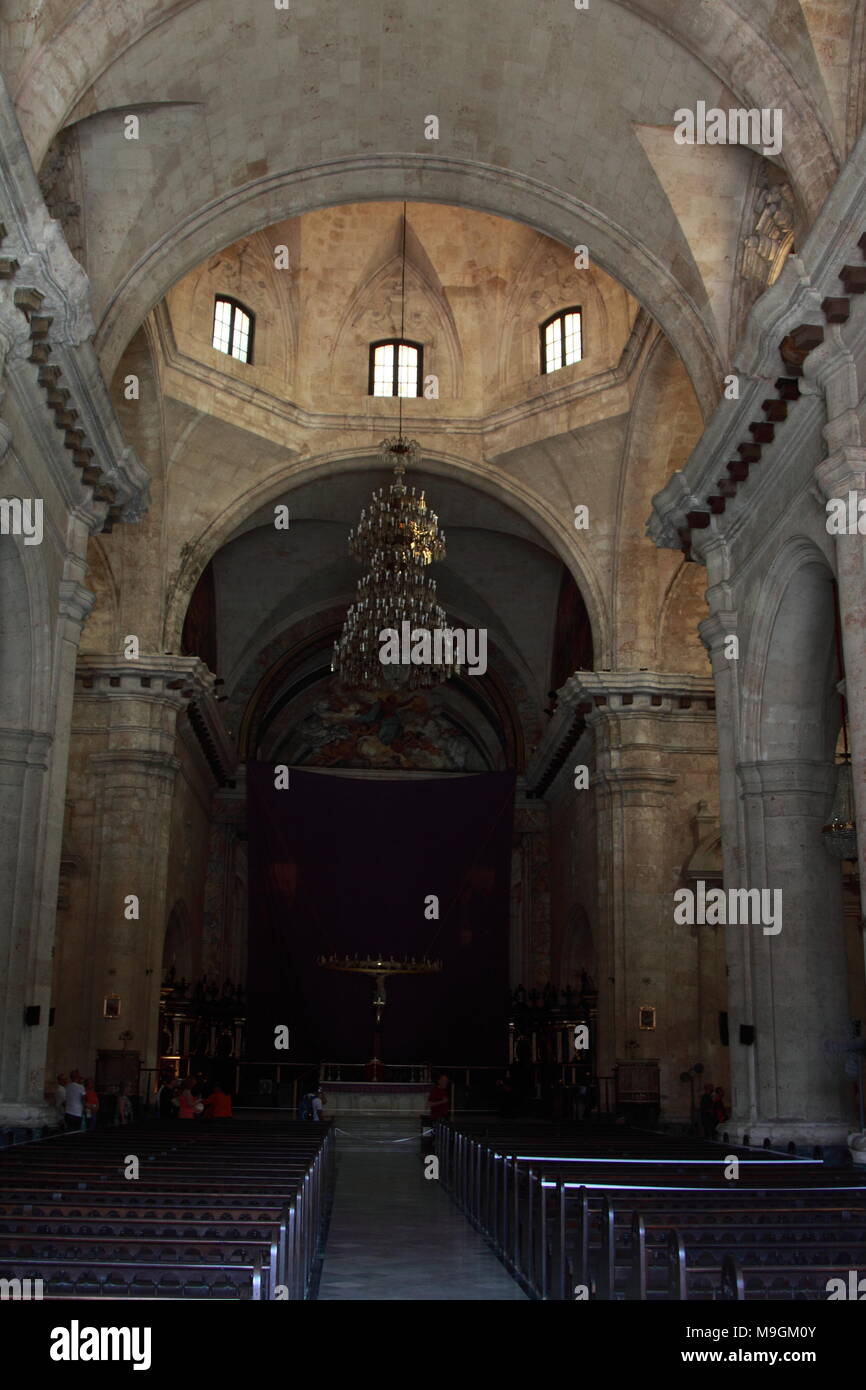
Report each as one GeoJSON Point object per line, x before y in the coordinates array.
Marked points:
{"type": "Point", "coordinates": [395, 368]}
{"type": "Point", "coordinates": [561, 340]}
{"type": "Point", "coordinates": [233, 328]}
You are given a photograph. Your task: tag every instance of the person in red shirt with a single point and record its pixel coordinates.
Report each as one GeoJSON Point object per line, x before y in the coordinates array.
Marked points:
{"type": "Point", "coordinates": [439, 1100]}
{"type": "Point", "coordinates": [186, 1101]}
{"type": "Point", "coordinates": [218, 1105]}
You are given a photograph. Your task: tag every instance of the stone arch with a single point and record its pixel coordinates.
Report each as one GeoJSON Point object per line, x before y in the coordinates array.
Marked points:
{"type": "Point", "coordinates": [60, 72]}
{"type": "Point", "coordinates": [393, 178]}
{"type": "Point", "coordinates": [507, 700]}
{"type": "Point", "coordinates": [16, 640]}
{"type": "Point", "coordinates": [683, 606]}
{"type": "Point", "coordinates": [788, 709]}
{"type": "Point", "coordinates": [26, 636]}
{"type": "Point", "coordinates": [100, 632]}
{"type": "Point", "coordinates": [550, 525]}
{"type": "Point", "coordinates": [663, 425]}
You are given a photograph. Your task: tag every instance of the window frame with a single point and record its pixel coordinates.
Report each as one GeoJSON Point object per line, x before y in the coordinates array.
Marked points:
{"type": "Point", "coordinates": [234, 305]}
{"type": "Point", "coordinates": [371, 371]}
{"type": "Point", "coordinates": [542, 338]}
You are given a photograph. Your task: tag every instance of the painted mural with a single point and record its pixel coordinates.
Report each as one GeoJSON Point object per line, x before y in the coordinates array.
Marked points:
{"type": "Point", "coordinates": [393, 730]}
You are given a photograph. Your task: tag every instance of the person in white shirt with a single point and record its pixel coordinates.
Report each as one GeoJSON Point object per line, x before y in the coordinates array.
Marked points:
{"type": "Point", "coordinates": [60, 1095]}
{"type": "Point", "coordinates": [74, 1102]}
{"type": "Point", "coordinates": [317, 1103]}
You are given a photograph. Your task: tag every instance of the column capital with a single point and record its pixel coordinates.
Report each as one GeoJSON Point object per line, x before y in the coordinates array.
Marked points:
{"type": "Point", "coordinates": [714, 630]}
{"type": "Point", "coordinates": [842, 472]}
{"type": "Point", "coordinates": [75, 602]}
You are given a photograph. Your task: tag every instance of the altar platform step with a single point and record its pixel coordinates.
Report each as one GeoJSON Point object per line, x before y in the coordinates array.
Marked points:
{"type": "Point", "coordinates": [375, 1098]}
{"type": "Point", "coordinates": [394, 1235]}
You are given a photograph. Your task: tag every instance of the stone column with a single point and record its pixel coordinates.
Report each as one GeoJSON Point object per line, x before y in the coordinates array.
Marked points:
{"type": "Point", "coordinates": [32, 786]}
{"type": "Point", "coordinates": [24, 761]}
{"type": "Point", "coordinates": [530, 963]}
{"type": "Point", "coordinates": [123, 771]}
{"type": "Point", "coordinates": [654, 756]}
{"type": "Point", "coordinates": [798, 985]}
{"type": "Point", "coordinates": [224, 933]}
{"type": "Point", "coordinates": [715, 632]}
{"type": "Point", "coordinates": [842, 473]}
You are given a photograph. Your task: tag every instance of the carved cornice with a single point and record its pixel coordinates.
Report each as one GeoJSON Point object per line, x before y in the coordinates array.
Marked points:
{"type": "Point", "coordinates": [206, 722]}
{"type": "Point", "coordinates": [596, 695]}
{"type": "Point", "coordinates": [803, 312]}
{"type": "Point", "coordinates": [589, 697]}
{"type": "Point", "coordinates": [175, 680]}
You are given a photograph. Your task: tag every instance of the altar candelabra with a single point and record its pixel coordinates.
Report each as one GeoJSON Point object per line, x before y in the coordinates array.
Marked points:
{"type": "Point", "coordinates": [379, 968]}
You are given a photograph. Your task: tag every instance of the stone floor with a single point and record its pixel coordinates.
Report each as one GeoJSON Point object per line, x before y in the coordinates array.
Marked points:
{"type": "Point", "coordinates": [394, 1234]}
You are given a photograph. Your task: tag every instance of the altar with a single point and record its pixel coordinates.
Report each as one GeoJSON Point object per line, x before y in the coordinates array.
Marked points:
{"type": "Point", "coordinates": [375, 1097]}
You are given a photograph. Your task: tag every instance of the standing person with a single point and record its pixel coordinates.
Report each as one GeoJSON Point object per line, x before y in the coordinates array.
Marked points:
{"type": "Point", "coordinates": [439, 1099]}
{"type": "Point", "coordinates": [124, 1106]}
{"type": "Point", "coordinates": [60, 1096]}
{"type": "Point", "coordinates": [164, 1106]}
{"type": "Point", "coordinates": [74, 1104]}
{"type": "Point", "coordinates": [186, 1101]}
{"type": "Point", "coordinates": [705, 1113]}
{"type": "Point", "coordinates": [317, 1100]}
{"type": "Point", "coordinates": [720, 1113]}
{"type": "Point", "coordinates": [91, 1104]}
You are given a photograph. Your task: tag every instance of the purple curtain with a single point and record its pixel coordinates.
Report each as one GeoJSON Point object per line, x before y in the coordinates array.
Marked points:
{"type": "Point", "coordinates": [344, 865]}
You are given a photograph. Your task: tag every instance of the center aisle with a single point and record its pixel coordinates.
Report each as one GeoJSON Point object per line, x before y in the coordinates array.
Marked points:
{"type": "Point", "coordinates": [395, 1234]}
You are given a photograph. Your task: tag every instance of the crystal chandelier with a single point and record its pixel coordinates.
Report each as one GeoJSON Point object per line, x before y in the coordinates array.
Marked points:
{"type": "Point", "coordinates": [396, 538]}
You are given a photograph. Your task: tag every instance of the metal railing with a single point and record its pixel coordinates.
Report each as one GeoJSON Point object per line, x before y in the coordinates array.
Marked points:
{"type": "Point", "coordinates": [528, 1218]}
{"type": "Point", "coordinates": [302, 1225]}
{"type": "Point", "coordinates": [395, 1073]}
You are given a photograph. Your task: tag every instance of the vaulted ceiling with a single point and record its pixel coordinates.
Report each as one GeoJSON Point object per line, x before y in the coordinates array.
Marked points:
{"type": "Point", "coordinates": [557, 116]}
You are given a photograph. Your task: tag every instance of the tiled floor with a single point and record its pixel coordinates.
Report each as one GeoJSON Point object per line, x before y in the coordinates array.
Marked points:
{"type": "Point", "coordinates": [394, 1234]}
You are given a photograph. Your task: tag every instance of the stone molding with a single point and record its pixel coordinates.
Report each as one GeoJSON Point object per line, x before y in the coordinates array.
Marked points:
{"type": "Point", "coordinates": [276, 414]}
{"type": "Point", "coordinates": [589, 698]}
{"type": "Point", "coordinates": [76, 601]}
{"type": "Point", "coordinates": [24, 747]}
{"type": "Point", "coordinates": [132, 765]}
{"type": "Point", "coordinates": [843, 472]}
{"type": "Point", "coordinates": [45, 312]}
{"type": "Point", "coordinates": [721, 624]}
{"type": "Point", "coordinates": [599, 694]}
{"type": "Point", "coordinates": [802, 298]}
{"type": "Point", "coordinates": [635, 786]}
{"type": "Point", "coordinates": [788, 777]}
{"type": "Point", "coordinates": [172, 679]}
